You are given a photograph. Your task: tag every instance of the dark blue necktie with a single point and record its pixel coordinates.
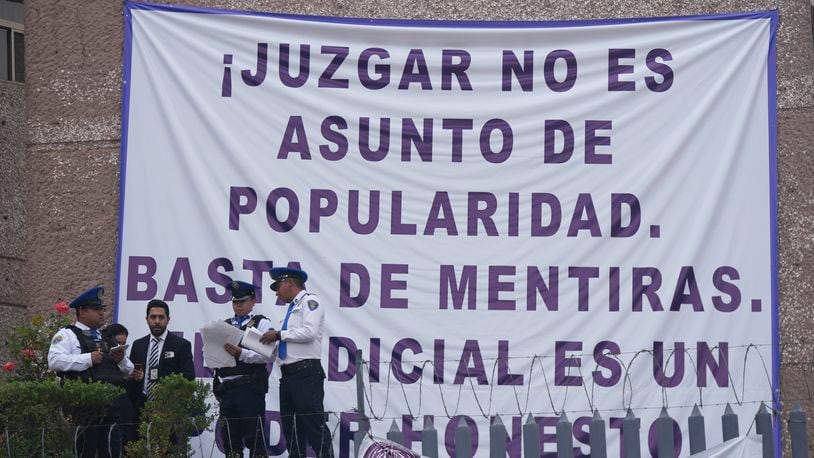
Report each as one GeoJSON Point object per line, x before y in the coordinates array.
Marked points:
{"type": "Point", "coordinates": [238, 320]}
{"type": "Point", "coordinates": [97, 336]}
{"type": "Point", "coordinates": [283, 350]}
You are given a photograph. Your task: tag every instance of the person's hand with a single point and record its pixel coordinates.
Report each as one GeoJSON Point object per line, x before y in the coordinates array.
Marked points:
{"type": "Point", "coordinates": [96, 357]}
{"type": "Point", "coordinates": [232, 349]}
{"type": "Point", "coordinates": [137, 374]}
{"type": "Point", "coordinates": [269, 337]}
{"type": "Point", "coordinates": [117, 355]}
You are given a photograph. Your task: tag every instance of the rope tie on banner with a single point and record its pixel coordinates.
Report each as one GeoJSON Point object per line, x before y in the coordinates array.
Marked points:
{"type": "Point", "coordinates": [75, 438]}
{"type": "Point", "coordinates": [539, 359]}
{"type": "Point", "coordinates": [765, 371]}
{"type": "Point", "coordinates": [149, 447]}
{"type": "Point", "coordinates": [262, 433]}
{"type": "Point", "coordinates": [8, 442]}
{"type": "Point", "coordinates": [214, 443]}
{"type": "Point", "coordinates": [338, 423]}
{"type": "Point", "coordinates": [198, 435]}
{"type": "Point", "coordinates": [227, 428]}
{"type": "Point", "coordinates": [294, 434]}
{"type": "Point", "coordinates": [109, 438]}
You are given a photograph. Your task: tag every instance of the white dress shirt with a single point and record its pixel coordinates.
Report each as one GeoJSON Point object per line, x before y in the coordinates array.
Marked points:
{"type": "Point", "coordinates": [65, 353]}
{"type": "Point", "coordinates": [161, 339]}
{"type": "Point", "coordinates": [250, 356]}
{"type": "Point", "coordinates": [305, 328]}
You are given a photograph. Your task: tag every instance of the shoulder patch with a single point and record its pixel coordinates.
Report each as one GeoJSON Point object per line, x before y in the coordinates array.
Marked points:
{"type": "Point", "coordinates": [313, 305]}
{"type": "Point", "coordinates": [57, 339]}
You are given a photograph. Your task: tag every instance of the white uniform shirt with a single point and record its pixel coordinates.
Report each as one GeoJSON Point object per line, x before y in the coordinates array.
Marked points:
{"type": "Point", "coordinates": [303, 337]}
{"type": "Point", "coordinates": [65, 353]}
{"type": "Point", "coordinates": [251, 356]}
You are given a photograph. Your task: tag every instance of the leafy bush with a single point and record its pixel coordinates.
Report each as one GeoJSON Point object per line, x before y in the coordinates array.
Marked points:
{"type": "Point", "coordinates": [179, 409]}
{"type": "Point", "coordinates": [37, 413]}
{"type": "Point", "coordinates": [42, 415]}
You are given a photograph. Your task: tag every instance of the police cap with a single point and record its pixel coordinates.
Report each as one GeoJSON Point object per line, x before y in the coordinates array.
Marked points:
{"type": "Point", "coordinates": [281, 273]}
{"type": "Point", "coordinates": [91, 298]}
{"type": "Point", "coordinates": [241, 290]}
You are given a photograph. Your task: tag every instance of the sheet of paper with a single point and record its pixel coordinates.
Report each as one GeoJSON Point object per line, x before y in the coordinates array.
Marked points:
{"type": "Point", "coordinates": [251, 340]}
{"type": "Point", "coordinates": [120, 348]}
{"type": "Point", "coordinates": [215, 335]}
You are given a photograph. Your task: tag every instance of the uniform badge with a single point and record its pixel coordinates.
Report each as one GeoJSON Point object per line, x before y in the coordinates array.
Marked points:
{"type": "Point", "coordinates": [235, 285]}
{"type": "Point", "coordinates": [169, 354]}
{"type": "Point", "coordinates": [251, 323]}
{"type": "Point", "coordinates": [313, 305]}
{"type": "Point", "coordinates": [56, 340]}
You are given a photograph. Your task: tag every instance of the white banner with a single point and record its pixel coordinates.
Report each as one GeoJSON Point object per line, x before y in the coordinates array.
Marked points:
{"type": "Point", "coordinates": [507, 218]}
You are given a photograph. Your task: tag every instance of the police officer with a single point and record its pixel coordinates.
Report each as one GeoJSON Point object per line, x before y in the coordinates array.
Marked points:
{"type": "Point", "coordinates": [300, 346]}
{"type": "Point", "coordinates": [77, 352]}
{"type": "Point", "coordinates": [241, 390]}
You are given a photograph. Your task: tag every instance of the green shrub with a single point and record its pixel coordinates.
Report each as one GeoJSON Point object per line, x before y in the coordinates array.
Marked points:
{"type": "Point", "coordinates": [179, 408]}
{"type": "Point", "coordinates": [37, 415]}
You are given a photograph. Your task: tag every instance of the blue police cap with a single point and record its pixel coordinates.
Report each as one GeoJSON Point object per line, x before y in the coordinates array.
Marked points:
{"type": "Point", "coordinates": [241, 290]}
{"type": "Point", "coordinates": [281, 273]}
{"type": "Point", "coordinates": [91, 298]}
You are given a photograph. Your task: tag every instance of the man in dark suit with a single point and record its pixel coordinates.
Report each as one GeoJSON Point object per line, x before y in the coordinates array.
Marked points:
{"type": "Point", "coordinates": [157, 355]}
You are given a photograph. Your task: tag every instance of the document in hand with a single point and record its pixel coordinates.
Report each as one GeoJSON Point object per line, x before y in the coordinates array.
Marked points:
{"type": "Point", "coordinates": [251, 340]}
{"type": "Point", "coordinates": [215, 335]}
{"type": "Point", "coordinates": [119, 348]}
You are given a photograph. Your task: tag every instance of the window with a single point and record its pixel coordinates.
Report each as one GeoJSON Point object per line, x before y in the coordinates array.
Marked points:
{"type": "Point", "coordinates": [12, 41]}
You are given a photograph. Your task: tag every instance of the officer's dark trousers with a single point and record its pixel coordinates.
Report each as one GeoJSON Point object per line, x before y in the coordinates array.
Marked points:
{"type": "Point", "coordinates": [240, 409]}
{"type": "Point", "coordinates": [301, 408]}
{"type": "Point", "coordinates": [104, 438]}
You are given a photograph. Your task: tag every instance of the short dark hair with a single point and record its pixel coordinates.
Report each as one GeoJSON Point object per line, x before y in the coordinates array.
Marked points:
{"type": "Point", "coordinates": [114, 329]}
{"type": "Point", "coordinates": [158, 303]}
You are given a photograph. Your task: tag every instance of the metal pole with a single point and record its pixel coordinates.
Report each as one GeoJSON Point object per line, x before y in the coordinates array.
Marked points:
{"type": "Point", "coordinates": [729, 423]}
{"type": "Point", "coordinates": [664, 432]}
{"type": "Point", "coordinates": [797, 431]}
{"type": "Point", "coordinates": [565, 440]}
{"type": "Point", "coordinates": [763, 426]}
{"type": "Point", "coordinates": [630, 434]}
{"type": "Point", "coordinates": [360, 406]}
{"type": "Point", "coordinates": [597, 437]}
{"type": "Point", "coordinates": [429, 438]}
{"type": "Point", "coordinates": [698, 438]}
{"type": "Point", "coordinates": [8, 443]}
{"type": "Point", "coordinates": [531, 438]}
{"type": "Point", "coordinates": [394, 435]}
{"type": "Point", "coordinates": [497, 438]}
{"type": "Point", "coordinates": [463, 440]}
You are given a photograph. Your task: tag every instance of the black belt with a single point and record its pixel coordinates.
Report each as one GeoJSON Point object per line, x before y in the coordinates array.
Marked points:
{"type": "Point", "coordinates": [299, 366]}
{"type": "Point", "coordinates": [236, 382]}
